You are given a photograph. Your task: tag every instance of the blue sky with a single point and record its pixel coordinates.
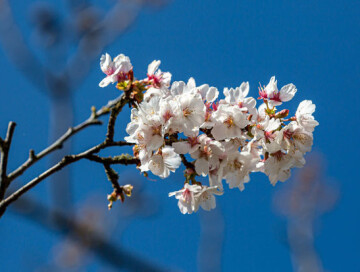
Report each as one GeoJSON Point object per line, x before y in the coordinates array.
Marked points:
{"type": "Point", "coordinates": [313, 44]}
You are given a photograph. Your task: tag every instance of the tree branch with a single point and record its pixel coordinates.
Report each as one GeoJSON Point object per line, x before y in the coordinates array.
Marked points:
{"type": "Point", "coordinates": [116, 108]}
{"type": "Point", "coordinates": [5, 147]}
{"type": "Point", "coordinates": [67, 160]}
{"type": "Point", "coordinates": [92, 120]}
{"type": "Point", "coordinates": [113, 115]}
{"type": "Point", "coordinates": [124, 159]}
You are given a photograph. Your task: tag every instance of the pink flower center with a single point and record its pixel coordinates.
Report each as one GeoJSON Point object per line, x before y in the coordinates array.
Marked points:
{"type": "Point", "coordinates": [156, 80]}
{"type": "Point", "coordinates": [288, 134]}
{"type": "Point", "coordinates": [215, 106]}
{"type": "Point", "coordinates": [269, 135]}
{"type": "Point", "coordinates": [262, 93]}
{"type": "Point", "coordinates": [278, 155]}
{"type": "Point", "coordinates": [167, 115]}
{"type": "Point", "coordinates": [229, 122]}
{"type": "Point", "coordinates": [276, 97]}
{"type": "Point", "coordinates": [193, 141]}
{"type": "Point", "coordinates": [186, 195]}
{"type": "Point", "coordinates": [109, 71]}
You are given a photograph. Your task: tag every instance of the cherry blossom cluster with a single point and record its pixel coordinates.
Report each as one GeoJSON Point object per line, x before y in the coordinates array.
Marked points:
{"type": "Point", "coordinates": [224, 139]}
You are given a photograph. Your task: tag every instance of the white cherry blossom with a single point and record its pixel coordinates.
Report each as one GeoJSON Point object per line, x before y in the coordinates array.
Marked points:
{"type": "Point", "coordinates": [229, 120]}
{"type": "Point", "coordinates": [114, 69]}
{"type": "Point", "coordinates": [191, 197]}
{"type": "Point", "coordinates": [164, 161]}
{"type": "Point", "coordinates": [276, 97]}
{"type": "Point", "coordinates": [186, 196]}
{"type": "Point", "coordinates": [304, 115]}
{"type": "Point", "coordinates": [159, 79]}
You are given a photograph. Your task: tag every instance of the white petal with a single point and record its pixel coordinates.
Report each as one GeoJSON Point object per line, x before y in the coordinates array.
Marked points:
{"type": "Point", "coordinates": [105, 62]}
{"type": "Point", "coordinates": [306, 107]}
{"type": "Point", "coordinates": [105, 82]}
{"type": "Point", "coordinates": [153, 67]}
{"type": "Point", "coordinates": [287, 92]}
{"type": "Point", "coordinates": [212, 94]}
{"type": "Point", "coordinates": [156, 165]}
{"type": "Point", "coordinates": [209, 203]}
{"type": "Point", "coordinates": [191, 83]}
{"type": "Point", "coordinates": [244, 88]}
{"type": "Point", "coordinates": [202, 166]}
{"type": "Point", "coordinates": [219, 131]}
{"type": "Point", "coordinates": [181, 147]}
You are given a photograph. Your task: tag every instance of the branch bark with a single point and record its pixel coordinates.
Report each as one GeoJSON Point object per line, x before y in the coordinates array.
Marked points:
{"type": "Point", "coordinates": [115, 105]}
{"type": "Point", "coordinates": [92, 120]}
{"type": "Point", "coordinates": [5, 147]}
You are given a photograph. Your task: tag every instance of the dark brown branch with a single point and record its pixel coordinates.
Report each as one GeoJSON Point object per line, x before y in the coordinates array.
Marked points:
{"type": "Point", "coordinates": [113, 177]}
{"type": "Point", "coordinates": [68, 159]}
{"type": "Point", "coordinates": [92, 120]}
{"type": "Point", "coordinates": [124, 159]}
{"type": "Point", "coordinates": [186, 162]}
{"type": "Point", "coordinates": [113, 115]}
{"type": "Point", "coordinates": [5, 147]}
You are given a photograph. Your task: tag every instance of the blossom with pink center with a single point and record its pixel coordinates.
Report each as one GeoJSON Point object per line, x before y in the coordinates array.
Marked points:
{"type": "Point", "coordinates": [294, 136]}
{"type": "Point", "coordinates": [189, 146]}
{"type": "Point", "coordinates": [191, 197]}
{"type": "Point", "coordinates": [278, 166]}
{"type": "Point", "coordinates": [229, 122]}
{"type": "Point", "coordinates": [164, 161]}
{"type": "Point", "coordinates": [304, 115]}
{"type": "Point", "coordinates": [115, 70]}
{"type": "Point", "coordinates": [186, 196]}
{"type": "Point", "coordinates": [208, 155]}
{"type": "Point", "coordinates": [274, 96]}
{"type": "Point", "coordinates": [237, 167]}
{"type": "Point", "coordinates": [157, 78]}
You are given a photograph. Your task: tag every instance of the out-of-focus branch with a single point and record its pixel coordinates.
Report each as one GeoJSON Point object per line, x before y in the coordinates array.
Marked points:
{"type": "Point", "coordinates": [57, 221]}
{"type": "Point", "coordinates": [302, 202]}
{"type": "Point", "coordinates": [101, 34]}
{"type": "Point", "coordinates": [5, 147]}
{"type": "Point", "coordinates": [15, 45]}
{"type": "Point", "coordinates": [90, 32]}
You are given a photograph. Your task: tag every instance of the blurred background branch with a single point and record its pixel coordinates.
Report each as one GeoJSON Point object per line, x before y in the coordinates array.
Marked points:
{"type": "Point", "coordinates": [70, 44]}
{"type": "Point", "coordinates": [302, 202]}
{"type": "Point", "coordinates": [57, 60]}
{"type": "Point", "coordinates": [90, 231]}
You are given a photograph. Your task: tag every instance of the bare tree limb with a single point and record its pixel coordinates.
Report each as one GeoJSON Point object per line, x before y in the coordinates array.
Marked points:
{"type": "Point", "coordinates": [66, 160]}
{"type": "Point", "coordinates": [5, 147]}
{"type": "Point", "coordinates": [124, 159]}
{"type": "Point", "coordinates": [92, 120]}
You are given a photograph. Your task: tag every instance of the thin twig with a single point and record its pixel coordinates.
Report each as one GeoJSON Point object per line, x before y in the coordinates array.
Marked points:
{"type": "Point", "coordinates": [124, 159]}
{"type": "Point", "coordinates": [186, 162]}
{"type": "Point", "coordinates": [88, 154]}
{"type": "Point", "coordinates": [113, 177]}
{"type": "Point", "coordinates": [5, 147]}
{"type": "Point", "coordinates": [113, 115]}
{"type": "Point", "coordinates": [67, 159]}
{"type": "Point", "coordinates": [92, 120]}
